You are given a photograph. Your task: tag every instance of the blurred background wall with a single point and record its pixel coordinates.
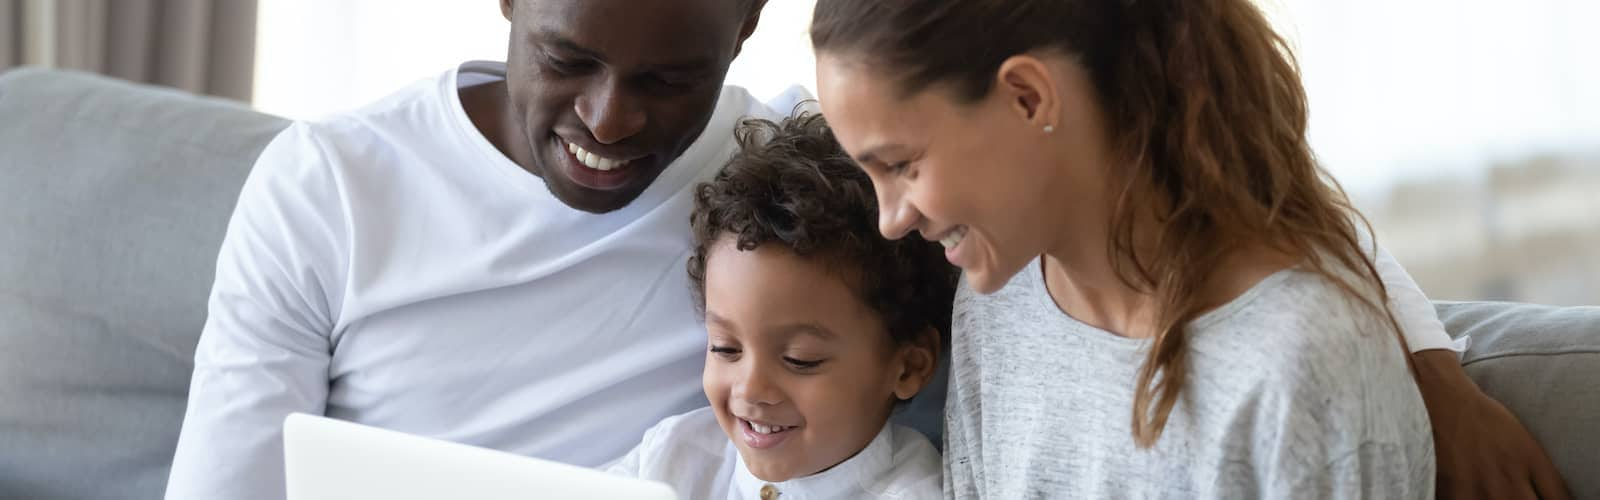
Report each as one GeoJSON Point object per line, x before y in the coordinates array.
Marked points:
{"type": "Point", "coordinates": [1468, 131]}
{"type": "Point", "coordinates": [202, 46]}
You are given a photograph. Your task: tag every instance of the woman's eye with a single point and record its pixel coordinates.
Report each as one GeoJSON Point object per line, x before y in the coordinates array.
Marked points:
{"type": "Point", "coordinates": [802, 364]}
{"type": "Point", "coordinates": [899, 167]}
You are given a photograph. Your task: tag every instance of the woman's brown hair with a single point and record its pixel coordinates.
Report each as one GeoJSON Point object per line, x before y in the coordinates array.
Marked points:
{"type": "Point", "coordinates": [1204, 105]}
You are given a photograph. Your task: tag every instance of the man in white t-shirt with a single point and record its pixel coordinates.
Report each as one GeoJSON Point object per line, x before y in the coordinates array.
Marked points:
{"type": "Point", "coordinates": [495, 256]}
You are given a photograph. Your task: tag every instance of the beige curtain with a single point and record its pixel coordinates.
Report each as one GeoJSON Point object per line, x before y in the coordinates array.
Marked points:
{"type": "Point", "coordinates": [202, 46]}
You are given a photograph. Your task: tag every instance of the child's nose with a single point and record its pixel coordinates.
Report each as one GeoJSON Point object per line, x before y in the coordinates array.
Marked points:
{"type": "Point", "coordinates": [757, 388]}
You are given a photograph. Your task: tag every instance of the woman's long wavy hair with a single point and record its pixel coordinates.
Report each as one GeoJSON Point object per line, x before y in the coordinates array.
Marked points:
{"type": "Point", "coordinates": [1204, 105]}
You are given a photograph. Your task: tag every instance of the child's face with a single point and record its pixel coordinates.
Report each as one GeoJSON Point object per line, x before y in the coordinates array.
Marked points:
{"type": "Point", "coordinates": [794, 352]}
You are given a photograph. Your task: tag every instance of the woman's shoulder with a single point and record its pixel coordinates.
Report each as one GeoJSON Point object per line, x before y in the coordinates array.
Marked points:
{"type": "Point", "coordinates": [1312, 357]}
{"type": "Point", "coordinates": [1309, 342]}
{"type": "Point", "coordinates": [1304, 312]}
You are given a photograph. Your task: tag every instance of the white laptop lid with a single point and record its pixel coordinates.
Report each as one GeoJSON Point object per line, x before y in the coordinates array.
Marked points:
{"type": "Point", "coordinates": [333, 459]}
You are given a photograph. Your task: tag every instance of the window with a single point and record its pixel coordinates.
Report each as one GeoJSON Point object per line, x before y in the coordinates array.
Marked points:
{"type": "Point", "coordinates": [1469, 132]}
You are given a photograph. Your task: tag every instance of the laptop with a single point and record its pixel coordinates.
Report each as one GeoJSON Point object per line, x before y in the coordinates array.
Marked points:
{"type": "Point", "coordinates": [333, 459]}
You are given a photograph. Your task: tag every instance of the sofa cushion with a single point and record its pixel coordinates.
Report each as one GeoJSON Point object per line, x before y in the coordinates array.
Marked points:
{"type": "Point", "coordinates": [113, 201]}
{"type": "Point", "coordinates": [1543, 362]}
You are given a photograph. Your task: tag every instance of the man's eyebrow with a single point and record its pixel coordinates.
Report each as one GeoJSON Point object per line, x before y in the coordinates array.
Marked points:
{"type": "Point", "coordinates": [686, 66]}
{"type": "Point", "coordinates": [567, 45]}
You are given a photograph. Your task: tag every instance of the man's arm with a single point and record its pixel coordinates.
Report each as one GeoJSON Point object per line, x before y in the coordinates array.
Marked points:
{"type": "Point", "coordinates": [1483, 450]}
{"type": "Point", "coordinates": [265, 349]}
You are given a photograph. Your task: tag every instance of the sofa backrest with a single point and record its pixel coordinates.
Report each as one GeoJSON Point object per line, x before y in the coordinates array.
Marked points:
{"type": "Point", "coordinates": [113, 201]}
{"type": "Point", "coordinates": [1543, 363]}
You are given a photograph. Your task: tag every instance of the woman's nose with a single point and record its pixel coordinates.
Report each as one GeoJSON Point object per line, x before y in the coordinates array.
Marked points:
{"type": "Point", "coordinates": [896, 217]}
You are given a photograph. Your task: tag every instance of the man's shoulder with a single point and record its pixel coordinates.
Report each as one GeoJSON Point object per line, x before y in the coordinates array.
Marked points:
{"type": "Point", "coordinates": [417, 111]}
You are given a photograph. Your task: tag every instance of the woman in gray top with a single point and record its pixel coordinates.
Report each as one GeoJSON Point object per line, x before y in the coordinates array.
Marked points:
{"type": "Point", "coordinates": [1191, 311]}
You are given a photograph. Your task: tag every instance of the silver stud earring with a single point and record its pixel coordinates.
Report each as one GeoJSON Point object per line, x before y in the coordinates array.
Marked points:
{"type": "Point", "coordinates": [1049, 129]}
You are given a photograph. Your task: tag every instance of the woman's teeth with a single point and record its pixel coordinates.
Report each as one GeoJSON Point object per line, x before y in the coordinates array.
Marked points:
{"type": "Point", "coordinates": [954, 238]}
{"type": "Point", "coordinates": [594, 161]}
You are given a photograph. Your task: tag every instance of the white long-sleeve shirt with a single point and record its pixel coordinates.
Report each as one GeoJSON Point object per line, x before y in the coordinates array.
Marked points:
{"type": "Point", "coordinates": [389, 266]}
{"type": "Point", "coordinates": [693, 454]}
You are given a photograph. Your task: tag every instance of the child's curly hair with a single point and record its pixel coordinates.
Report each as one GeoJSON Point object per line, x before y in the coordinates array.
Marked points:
{"type": "Point", "coordinates": [792, 184]}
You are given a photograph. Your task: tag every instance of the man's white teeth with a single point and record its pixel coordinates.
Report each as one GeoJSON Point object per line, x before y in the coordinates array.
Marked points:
{"type": "Point", "coordinates": [592, 160]}
{"type": "Point", "coordinates": [954, 238]}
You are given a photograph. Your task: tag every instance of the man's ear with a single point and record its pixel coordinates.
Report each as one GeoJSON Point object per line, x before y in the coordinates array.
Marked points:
{"type": "Point", "coordinates": [918, 361]}
{"type": "Point", "coordinates": [749, 27]}
{"type": "Point", "coordinates": [1026, 81]}
{"type": "Point", "coordinates": [505, 8]}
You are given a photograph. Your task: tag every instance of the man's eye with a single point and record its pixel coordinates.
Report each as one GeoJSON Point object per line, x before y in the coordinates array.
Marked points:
{"type": "Point", "coordinates": [568, 66]}
{"type": "Point", "coordinates": [676, 81]}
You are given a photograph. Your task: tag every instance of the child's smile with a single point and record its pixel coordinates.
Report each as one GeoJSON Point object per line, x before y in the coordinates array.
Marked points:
{"type": "Point", "coordinates": [762, 436]}
{"type": "Point", "coordinates": [800, 372]}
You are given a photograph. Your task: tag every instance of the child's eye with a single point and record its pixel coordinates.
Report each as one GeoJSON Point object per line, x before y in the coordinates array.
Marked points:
{"type": "Point", "coordinates": [802, 364]}
{"type": "Point", "coordinates": [725, 352]}
{"type": "Point", "coordinates": [899, 167]}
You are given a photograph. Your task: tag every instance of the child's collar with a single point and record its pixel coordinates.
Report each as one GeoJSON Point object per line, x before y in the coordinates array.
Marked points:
{"type": "Point", "coordinates": [849, 479]}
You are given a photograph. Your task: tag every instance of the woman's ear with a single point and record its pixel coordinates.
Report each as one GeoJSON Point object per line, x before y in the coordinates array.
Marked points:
{"type": "Point", "coordinates": [918, 361]}
{"type": "Point", "coordinates": [1029, 86]}
{"type": "Point", "coordinates": [505, 8]}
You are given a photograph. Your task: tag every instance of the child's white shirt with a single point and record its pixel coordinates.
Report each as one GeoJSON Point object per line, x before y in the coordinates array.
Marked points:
{"type": "Point", "coordinates": [692, 454]}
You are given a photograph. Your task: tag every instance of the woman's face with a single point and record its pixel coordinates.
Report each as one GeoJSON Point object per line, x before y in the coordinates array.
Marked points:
{"type": "Point", "coordinates": [983, 178]}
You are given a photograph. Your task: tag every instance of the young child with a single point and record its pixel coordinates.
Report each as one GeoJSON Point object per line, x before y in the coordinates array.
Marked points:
{"type": "Point", "coordinates": [817, 327]}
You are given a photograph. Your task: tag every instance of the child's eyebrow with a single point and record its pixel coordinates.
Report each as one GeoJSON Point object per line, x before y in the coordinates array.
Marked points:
{"type": "Point", "coordinates": [813, 329]}
{"type": "Point", "coordinates": [713, 319]}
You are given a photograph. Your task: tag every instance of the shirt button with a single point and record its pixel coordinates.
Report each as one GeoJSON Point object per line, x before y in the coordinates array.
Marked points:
{"type": "Point", "coordinates": [769, 492]}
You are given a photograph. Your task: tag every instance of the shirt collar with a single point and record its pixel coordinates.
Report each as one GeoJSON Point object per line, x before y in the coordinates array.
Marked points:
{"type": "Point", "coordinates": [842, 481]}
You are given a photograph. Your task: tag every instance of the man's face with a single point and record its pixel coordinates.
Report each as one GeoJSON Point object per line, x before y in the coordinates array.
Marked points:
{"type": "Point", "coordinates": [609, 92]}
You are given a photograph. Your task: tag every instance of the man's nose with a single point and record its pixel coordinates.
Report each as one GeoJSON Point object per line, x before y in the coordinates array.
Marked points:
{"type": "Point", "coordinates": [611, 112]}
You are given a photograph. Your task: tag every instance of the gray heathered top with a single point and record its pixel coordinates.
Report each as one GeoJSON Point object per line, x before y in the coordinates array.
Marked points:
{"type": "Point", "coordinates": [1294, 390]}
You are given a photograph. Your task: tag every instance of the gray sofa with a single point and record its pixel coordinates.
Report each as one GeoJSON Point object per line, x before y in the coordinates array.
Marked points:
{"type": "Point", "coordinates": [113, 201]}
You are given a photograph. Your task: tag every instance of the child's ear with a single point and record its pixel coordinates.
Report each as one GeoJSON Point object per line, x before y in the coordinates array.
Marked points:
{"type": "Point", "coordinates": [918, 361]}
